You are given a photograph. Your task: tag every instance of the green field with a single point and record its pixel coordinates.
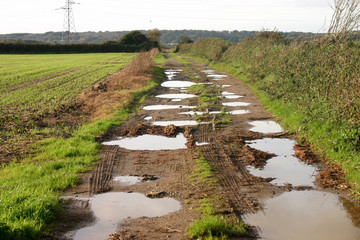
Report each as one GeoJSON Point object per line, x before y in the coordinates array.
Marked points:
{"type": "Point", "coordinates": [34, 84]}
{"type": "Point", "coordinates": [37, 84]}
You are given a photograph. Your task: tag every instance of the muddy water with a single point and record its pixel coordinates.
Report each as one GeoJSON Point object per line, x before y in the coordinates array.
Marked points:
{"type": "Point", "coordinates": [112, 208]}
{"type": "Point", "coordinates": [265, 127]}
{"type": "Point", "coordinates": [310, 215]}
{"type": "Point", "coordinates": [150, 142]}
{"type": "Point", "coordinates": [285, 167]}
{"type": "Point", "coordinates": [233, 96]}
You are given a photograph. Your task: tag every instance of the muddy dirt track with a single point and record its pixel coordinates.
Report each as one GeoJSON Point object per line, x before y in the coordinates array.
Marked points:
{"type": "Point", "coordinates": [165, 173]}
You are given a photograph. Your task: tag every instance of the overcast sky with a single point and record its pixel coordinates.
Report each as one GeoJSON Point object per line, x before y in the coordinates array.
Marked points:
{"type": "Point", "coordinates": [39, 16]}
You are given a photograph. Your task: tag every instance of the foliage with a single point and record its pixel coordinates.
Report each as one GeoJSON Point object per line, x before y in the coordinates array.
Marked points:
{"type": "Point", "coordinates": [154, 35]}
{"type": "Point", "coordinates": [316, 82]}
{"type": "Point", "coordinates": [134, 38]}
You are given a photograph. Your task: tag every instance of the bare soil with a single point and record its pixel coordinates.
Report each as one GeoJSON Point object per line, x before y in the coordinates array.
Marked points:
{"type": "Point", "coordinates": [241, 192]}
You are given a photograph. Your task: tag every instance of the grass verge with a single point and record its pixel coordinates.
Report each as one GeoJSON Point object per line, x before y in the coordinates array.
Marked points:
{"type": "Point", "coordinates": [212, 224]}
{"type": "Point", "coordinates": [30, 190]}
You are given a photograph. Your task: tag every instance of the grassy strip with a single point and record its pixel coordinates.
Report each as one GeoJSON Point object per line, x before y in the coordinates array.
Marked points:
{"type": "Point", "coordinates": [30, 190]}
{"type": "Point", "coordinates": [328, 137]}
{"type": "Point", "coordinates": [179, 59]}
{"type": "Point", "coordinates": [212, 224]}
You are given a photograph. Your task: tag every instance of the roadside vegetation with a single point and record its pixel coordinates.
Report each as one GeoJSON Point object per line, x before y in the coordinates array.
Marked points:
{"type": "Point", "coordinates": [30, 189]}
{"type": "Point", "coordinates": [312, 86]}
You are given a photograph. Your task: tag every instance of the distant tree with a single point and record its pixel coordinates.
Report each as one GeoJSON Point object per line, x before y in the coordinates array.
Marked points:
{"type": "Point", "coordinates": [154, 35]}
{"type": "Point", "coordinates": [134, 38]}
{"type": "Point", "coordinates": [186, 39]}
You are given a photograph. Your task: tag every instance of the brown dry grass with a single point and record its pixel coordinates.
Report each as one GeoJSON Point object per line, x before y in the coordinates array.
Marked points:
{"type": "Point", "coordinates": [103, 99]}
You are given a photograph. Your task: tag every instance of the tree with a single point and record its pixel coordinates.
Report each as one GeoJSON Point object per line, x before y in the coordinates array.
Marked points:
{"type": "Point", "coordinates": [134, 38]}
{"type": "Point", "coordinates": [185, 39]}
{"type": "Point", "coordinates": [345, 19]}
{"type": "Point", "coordinates": [154, 35]}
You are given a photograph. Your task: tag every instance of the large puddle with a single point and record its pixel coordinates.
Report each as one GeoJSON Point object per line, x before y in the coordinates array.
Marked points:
{"type": "Point", "coordinates": [111, 208]}
{"type": "Point", "coordinates": [310, 215]}
{"type": "Point", "coordinates": [150, 142]}
{"type": "Point", "coordinates": [177, 84]}
{"type": "Point", "coordinates": [265, 127]}
{"type": "Point", "coordinates": [285, 167]}
{"type": "Point", "coordinates": [165, 107]}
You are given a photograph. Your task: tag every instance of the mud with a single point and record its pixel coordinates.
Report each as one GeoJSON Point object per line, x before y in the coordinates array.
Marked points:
{"type": "Point", "coordinates": [228, 149]}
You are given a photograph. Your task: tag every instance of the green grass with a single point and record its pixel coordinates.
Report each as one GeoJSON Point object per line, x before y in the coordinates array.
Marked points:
{"type": "Point", "coordinates": [217, 227]}
{"type": "Point", "coordinates": [32, 85]}
{"type": "Point", "coordinates": [180, 60]}
{"type": "Point", "coordinates": [30, 190]}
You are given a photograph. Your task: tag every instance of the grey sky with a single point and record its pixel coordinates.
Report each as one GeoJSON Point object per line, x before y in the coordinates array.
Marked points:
{"type": "Point", "coordinates": [114, 15]}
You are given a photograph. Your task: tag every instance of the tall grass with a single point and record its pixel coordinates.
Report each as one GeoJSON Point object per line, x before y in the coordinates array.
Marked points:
{"type": "Point", "coordinates": [313, 86]}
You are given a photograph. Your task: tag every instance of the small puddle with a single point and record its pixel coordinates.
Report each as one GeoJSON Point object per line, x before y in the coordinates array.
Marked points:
{"type": "Point", "coordinates": [113, 207]}
{"type": "Point", "coordinates": [227, 93]}
{"type": "Point", "coordinates": [128, 180]}
{"type": "Point", "coordinates": [285, 167]}
{"type": "Point", "coordinates": [177, 123]}
{"type": "Point", "coordinates": [208, 71]}
{"type": "Point", "coordinates": [233, 96]}
{"type": "Point", "coordinates": [201, 143]}
{"type": "Point", "coordinates": [239, 112]}
{"type": "Point", "coordinates": [176, 96]}
{"type": "Point", "coordinates": [177, 84]}
{"type": "Point", "coordinates": [236, 104]}
{"type": "Point", "coordinates": [150, 142]}
{"type": "Point", "coordinates": [217, 77]}
{"type": "Point", "coordinates": [148, 118]}
{"type": "Point", "coordinates": [165, 107]}
{"type": "Point", "coordinates": [310, 215]}
{"type": "Point", "coordinates": [266, 127]}
{"type": "Point", "coordinates": [225, 86]}
{"type": "Point", "coordinates": [176, 100]}
{"type": "Point", "coordinates": [192, 113]}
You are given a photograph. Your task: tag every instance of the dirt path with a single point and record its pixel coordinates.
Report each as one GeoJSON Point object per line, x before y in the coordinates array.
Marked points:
{"type": "Point", "coordinates": [167, 171]}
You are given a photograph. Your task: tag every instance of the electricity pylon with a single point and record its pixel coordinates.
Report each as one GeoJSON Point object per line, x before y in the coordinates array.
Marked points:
{"type": "Point", "coordinates": [69, 22]}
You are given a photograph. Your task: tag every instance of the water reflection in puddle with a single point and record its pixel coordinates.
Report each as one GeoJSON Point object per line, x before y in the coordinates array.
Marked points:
{"type": "Point", "coordinates": [177, 123]}
{"type": "Point", "coordinates": [265, 127]}
{"type": "Point", "coordinates": [111, 208]}
{"type": "Point", "coordinates": [176, 96]}
{"type": "Point", "coordinates": [150, 142]}
{"type": "Point", "coordinates": [128, 180]}
{"type": "Point", "coordinates": [239, 112]}
{"type": "Point", "coordinates": [148, 118]}
{"type": "Point", "coordinates": [165, 107]}
{"type": "Point", "coordinates": [217, 77]}
{"type": "Point", "coordinates": [208, 71]}
{"type": "Point", "coordinates": [192, 113]}
{"type": "Point", "coordinates": [285, 167]}
{"type": "Point", "coordinates": [177, 84]}
{"type": "Point", "coordinates": [227, 93]}
{"type": "Point", "coordinates": [233, 96]}
{"type": "Point", "coordinates": [309, 215]}
{"type": "Point", "coordinates": [236, 104]}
